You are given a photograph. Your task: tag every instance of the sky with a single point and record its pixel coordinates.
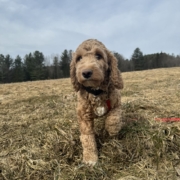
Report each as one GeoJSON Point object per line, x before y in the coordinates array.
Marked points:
{"type": "Point", "coordinates": [122, 25]}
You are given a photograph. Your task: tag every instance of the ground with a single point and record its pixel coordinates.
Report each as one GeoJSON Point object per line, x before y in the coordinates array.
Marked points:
{"type": "Point", "coordinates": [39, 136]}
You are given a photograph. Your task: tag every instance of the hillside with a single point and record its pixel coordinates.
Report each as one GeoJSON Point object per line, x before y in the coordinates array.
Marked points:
{"type": "Point", "coordinates": [39, 136]}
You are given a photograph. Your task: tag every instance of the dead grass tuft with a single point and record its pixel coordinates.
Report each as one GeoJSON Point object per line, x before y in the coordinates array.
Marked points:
{"type": "Point", "coordinates": [39, 136]}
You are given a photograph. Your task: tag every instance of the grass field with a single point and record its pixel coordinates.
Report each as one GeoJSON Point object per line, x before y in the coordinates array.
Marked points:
{"type": "Point", "coordinates": [39, 136]}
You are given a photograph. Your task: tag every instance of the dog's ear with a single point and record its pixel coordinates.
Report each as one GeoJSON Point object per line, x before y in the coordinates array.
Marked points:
{"type": "Point", "coordinates": [115, 74]}
{"type": "Point", "coordinates": [73, 77]}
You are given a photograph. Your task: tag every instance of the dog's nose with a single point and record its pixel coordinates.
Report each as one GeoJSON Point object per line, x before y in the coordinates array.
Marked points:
{"type": "Point", "coordinates": [87, 74]}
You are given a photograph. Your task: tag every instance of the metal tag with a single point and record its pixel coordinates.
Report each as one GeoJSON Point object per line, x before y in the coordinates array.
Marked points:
{"type": "Point", "coordinates": [100, 111]}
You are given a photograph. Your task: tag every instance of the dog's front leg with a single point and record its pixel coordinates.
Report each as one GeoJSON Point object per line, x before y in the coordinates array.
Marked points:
{"type": "Point", "coordinates": [113, 122]}
{"type": "Point", "coordinates": [90, 153]}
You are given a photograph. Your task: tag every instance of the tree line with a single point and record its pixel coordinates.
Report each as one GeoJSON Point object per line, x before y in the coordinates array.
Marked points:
{"type": "Point", "coordinates": [35, 66]}
{"type": "Point", "coordinates": [152, 61]}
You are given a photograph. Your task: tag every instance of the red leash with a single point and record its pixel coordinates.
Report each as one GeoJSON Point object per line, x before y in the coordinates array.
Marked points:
{"type": "Point", "coordinates": [172, 119]}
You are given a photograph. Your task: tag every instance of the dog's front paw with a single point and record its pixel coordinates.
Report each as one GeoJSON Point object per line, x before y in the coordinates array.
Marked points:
{"type": "Point", "coordinates": [90, 153]}
{"type": "Point", "coordinates": [90, 163]}
{"type": "Point", "coordinates": [90, 159]}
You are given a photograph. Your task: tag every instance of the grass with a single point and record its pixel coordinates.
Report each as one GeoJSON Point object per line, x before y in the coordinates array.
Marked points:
{"type": "Point", "coordinates": [39, 136]}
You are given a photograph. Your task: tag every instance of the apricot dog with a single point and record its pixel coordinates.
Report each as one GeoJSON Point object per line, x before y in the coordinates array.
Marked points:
{"type": "Point", "coordinates": [97, 79]}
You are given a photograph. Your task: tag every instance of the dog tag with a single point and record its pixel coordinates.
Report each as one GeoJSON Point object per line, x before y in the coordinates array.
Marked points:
{"type": "Point", "coordinates": [100, 111]}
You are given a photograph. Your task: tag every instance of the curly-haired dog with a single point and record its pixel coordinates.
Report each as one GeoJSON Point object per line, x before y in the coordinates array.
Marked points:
{"type": "Point", "coordinates": [96, 78]}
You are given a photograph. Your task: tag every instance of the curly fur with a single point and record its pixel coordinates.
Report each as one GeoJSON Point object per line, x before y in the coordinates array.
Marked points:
{"type": "Point", "coordinates": [92, 56]}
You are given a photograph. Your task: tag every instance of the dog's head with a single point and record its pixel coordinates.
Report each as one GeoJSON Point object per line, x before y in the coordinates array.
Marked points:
{"type": "Point", "coordinates": [93, 65]}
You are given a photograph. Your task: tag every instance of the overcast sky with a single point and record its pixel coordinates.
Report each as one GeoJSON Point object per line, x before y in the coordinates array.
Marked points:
{"type": "Point", "coordinates": [122, 25]}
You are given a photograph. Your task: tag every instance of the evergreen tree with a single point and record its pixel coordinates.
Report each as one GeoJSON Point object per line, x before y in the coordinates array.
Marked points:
{"type": "Point", "coordinates": [34, 66]}
{"type": "Point", "coordinates": [28, 66]}
{"type": "Point", "coordinates": [8, 63]}
{"type": "Point", "coordinates": [65, 63]}
{"type": "Point", "coordinates": [137, 59]}
{"type": "Point", "coordinates": [18, 71]}
{"type": "Point", "coordinates": [38, 73]}
{"type": "Point", "coordinates": [2, 62]}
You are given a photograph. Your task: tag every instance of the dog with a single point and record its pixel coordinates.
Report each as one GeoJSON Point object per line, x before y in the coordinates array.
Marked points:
{"type": "Point", "coordinates": [97, 80]}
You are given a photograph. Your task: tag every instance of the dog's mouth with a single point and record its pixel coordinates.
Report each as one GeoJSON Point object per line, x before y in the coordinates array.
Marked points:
{"type": "Point", "coordinates": [91, 82]}
{"type": "Point", "coordinates": [95, 91]}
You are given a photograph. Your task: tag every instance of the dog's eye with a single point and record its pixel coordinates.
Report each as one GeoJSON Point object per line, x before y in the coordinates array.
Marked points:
{"type": "Point", "coordinates": [98, 56]}
{"type": "Point", "coordinates": [78, 58]}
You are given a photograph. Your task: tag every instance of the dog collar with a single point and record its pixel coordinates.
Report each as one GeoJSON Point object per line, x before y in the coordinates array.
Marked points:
{"type": "Point", "coordinates": [108, 102]}
{"type": "Point", "coordinates": [95, 92]}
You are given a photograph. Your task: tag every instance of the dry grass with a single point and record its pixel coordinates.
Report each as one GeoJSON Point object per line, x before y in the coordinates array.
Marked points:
{"type": "Point", "coordinates": [39, 137]}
